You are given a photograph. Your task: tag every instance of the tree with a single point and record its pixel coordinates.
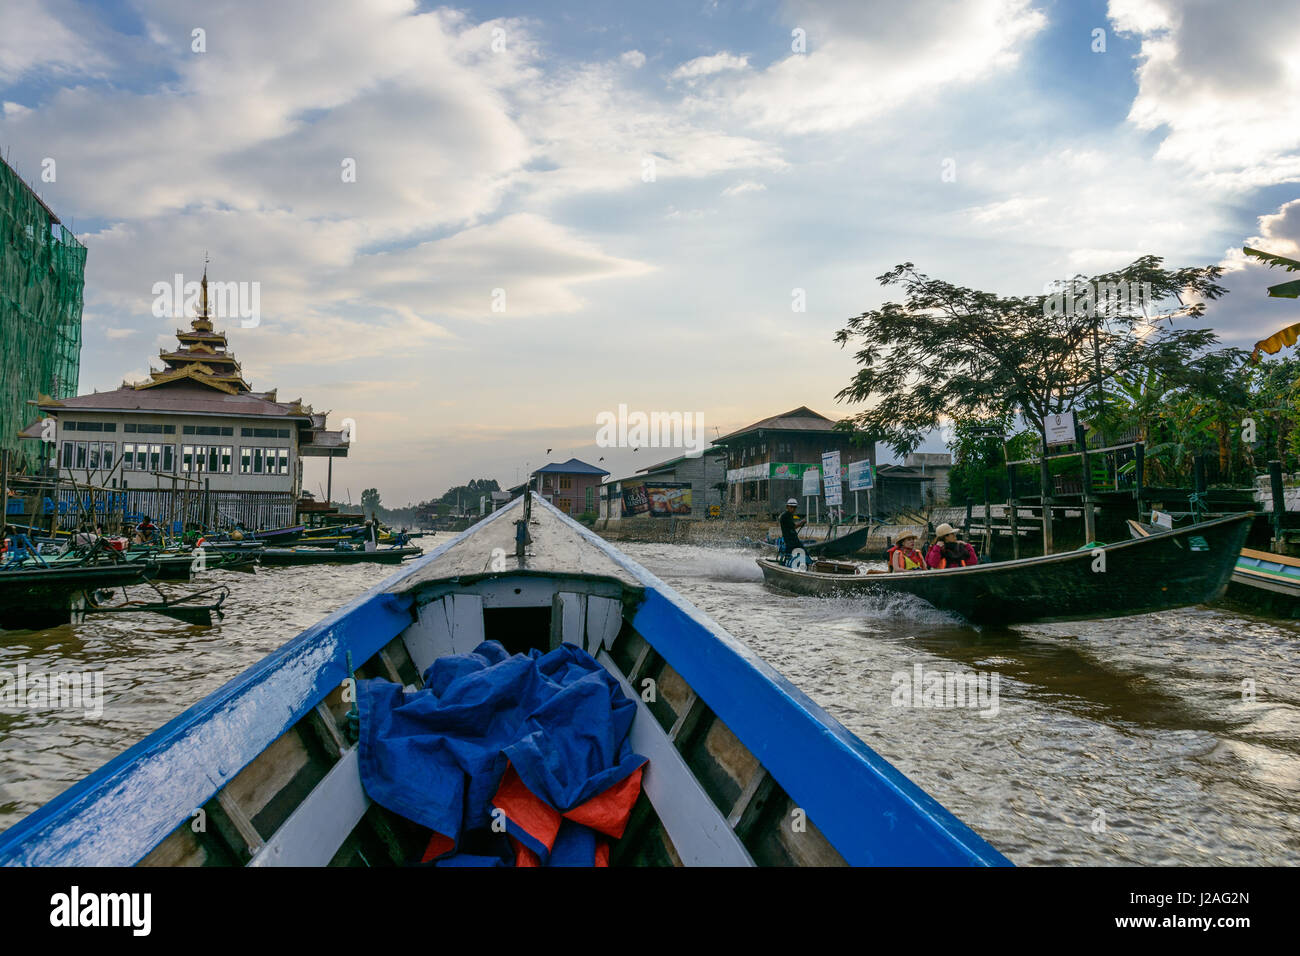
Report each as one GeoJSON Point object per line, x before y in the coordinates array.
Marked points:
{"type": "Point", "coordinates": [370, 500]}
{"type": "Point", "coordinates": [953, 352]}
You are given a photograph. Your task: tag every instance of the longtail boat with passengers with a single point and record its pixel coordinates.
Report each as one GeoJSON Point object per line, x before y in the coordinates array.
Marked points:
{"type": "Point", "coordinates": [741, 768]}
{"type": "Point", "coordinates": [1188, 566]}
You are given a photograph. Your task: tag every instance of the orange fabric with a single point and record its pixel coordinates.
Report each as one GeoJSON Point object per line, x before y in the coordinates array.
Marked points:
{"type": "Point", "coordinates": [438, 845]}
{"type": "Point", "coordinates": [526, 810]}
{"type": "Point", "coordinates": [608, 812]}
{"type": "Point", "coordinates": [525, 856]}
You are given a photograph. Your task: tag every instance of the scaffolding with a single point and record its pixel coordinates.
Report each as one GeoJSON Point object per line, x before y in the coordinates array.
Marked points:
{"type": "Point", "coordinates": [42, 272]}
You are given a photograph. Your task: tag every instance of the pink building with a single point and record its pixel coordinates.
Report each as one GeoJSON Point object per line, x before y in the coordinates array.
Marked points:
{"type": "Point", "coordinates": [572, 486]}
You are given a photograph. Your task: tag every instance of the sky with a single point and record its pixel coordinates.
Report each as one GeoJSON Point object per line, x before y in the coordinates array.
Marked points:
{"type": "Point", "coordinates": [474, 228]}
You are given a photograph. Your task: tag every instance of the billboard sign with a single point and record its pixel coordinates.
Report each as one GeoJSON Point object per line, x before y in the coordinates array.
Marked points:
{"type": "Point", "coordinates": [834, 477]}
{"type": "Point", "coordinates": [659, 499]}
{"type": "Point", "coordinates": [861, 477]}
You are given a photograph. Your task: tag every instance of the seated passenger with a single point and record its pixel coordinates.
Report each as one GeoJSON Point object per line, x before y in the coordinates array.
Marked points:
{"type": "Point", "coordinates": [948, 552]}
{"type": "Point", "coordinates": [903, 556]}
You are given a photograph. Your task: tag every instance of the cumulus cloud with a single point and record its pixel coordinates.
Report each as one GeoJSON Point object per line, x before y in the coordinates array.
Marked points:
{"type": "Point", "coordinates": [864, 59]}
{"type": "Point", "coordinates": [1220, 81]}
{"type": "Point", "coordinates": [633, 58]}
{"type": "Point", "coordinates": [708, 65]}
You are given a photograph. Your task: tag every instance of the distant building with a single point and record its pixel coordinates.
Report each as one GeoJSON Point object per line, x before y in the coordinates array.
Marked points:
{"type": "Point", "coordinates": [937, 466]}
{"type": "Point", "coordinates": [699, 474]}
{"type": "Point", "coordinates": [766, 460]}
{"type": "Point", "coordinates": [42, 267]}
{"type": "Point", "coordinates": [572, 486]}
{"type": "Point", "coordinates": [194, 442]}
{"type": "Point", "coordinates": [902, 488]}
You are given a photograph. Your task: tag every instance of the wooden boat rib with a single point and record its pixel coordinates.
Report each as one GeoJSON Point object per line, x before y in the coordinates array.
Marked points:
{"type": "Point", "coordinates": [1188, 566]}
{"type": "Point", "coordinates": [736, 753]}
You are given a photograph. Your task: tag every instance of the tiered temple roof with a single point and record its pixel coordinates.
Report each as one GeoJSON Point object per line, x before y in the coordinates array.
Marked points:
{"type": "Point", "coordinates": [202, 355]}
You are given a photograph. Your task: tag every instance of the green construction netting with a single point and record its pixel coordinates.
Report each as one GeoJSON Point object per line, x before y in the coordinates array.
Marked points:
{"type": "Point", "coordinates": [42, 271]}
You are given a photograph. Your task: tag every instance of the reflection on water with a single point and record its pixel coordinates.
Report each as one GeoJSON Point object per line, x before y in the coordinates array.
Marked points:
{"type": "Point", "coordinates": [1116, 742]}
{"type": "Point", "coordinates": [1128, 741]}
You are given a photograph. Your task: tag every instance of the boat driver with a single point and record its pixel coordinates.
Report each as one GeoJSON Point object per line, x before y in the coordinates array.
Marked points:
{"type": "Point", "coordinates": [790, 530]}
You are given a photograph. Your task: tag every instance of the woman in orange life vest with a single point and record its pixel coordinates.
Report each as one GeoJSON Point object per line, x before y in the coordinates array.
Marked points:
{"type": "Point", "coordinates": [903, 556]}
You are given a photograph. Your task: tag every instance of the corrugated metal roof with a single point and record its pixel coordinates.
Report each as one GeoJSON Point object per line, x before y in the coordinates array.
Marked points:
{"type": "Point", "coordinates": [571, 467]}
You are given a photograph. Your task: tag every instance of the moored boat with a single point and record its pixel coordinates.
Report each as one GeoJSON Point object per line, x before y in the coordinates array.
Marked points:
{"type": "Point", "coordinates": [743, 768]}
{"type": "Point", "coordinates": [1190, 566]}
{"type": "Point", "coordinates": [292, 556]}
{"type": "Point", "coordinates": [1266, 582]}
{"type": "Point", "coordinates": [38, 597]}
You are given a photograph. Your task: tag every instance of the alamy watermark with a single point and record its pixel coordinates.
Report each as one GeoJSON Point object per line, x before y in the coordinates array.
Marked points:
{"type": "Point", "coordinates": [58, 690]}
{"type": "Point", "coordinates": [226, 300]}
{"type": "Point", "coordinates": [624, 429]}
{"type": "Point", "coordinates": [918, 688]}
{"type": "Point", "coordinates": [1096, 299]}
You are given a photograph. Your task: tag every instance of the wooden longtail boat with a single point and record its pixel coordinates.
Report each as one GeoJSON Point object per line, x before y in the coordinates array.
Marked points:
{"type": "Point", "coordinates": [845, 545]}
{"type": "Point", "coordinates": [1266, 582]}
{"type": "Point", "coordinates": [743, 768]}
{"type": "Point", "coordinates": [32, 597]}
{"type": "Point", "coordinates": [290, 556]}
{"type": "Point", "coordinates": [1261, 581]}
{"type": "Point", "coordinates": [1188, 566]}
{"type": "Point", "coordinates": [280, 535]}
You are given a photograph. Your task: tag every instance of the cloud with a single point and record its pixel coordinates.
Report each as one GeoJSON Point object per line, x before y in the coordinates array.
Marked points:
{"type": "Point", "coordinates": [1247, 314]}
{"type": "Point", "coordinates": [748, 186]}
{"type": "Point", "coordinates": [1220, 83]}
{"type": "Point", "coordinates": [864, 59]}
{"type": "Point", "coordinates": [633, 58]}
{"type": "Point", "coordinates": [708, 65]}
{"type": "Point", "coordinates": [34, 38]}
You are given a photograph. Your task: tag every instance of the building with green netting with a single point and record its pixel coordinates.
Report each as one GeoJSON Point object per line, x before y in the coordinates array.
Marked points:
{"type": "Point", "coordinates": [42, 272]}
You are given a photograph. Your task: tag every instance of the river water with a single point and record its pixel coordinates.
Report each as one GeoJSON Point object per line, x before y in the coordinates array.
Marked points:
{"type": "Point", "coordinates": [1164, 739]}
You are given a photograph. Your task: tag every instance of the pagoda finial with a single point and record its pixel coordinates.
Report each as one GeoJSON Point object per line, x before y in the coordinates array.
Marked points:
{"type": "Point", "coordinates": [203, 309]}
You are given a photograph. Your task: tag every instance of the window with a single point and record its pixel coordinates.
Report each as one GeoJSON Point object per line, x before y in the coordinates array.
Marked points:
{"type": "Point", "coordinates": [591, 493]}
{"type": "Point", "coordinates": [92, 457]}
{"type": "Point", "coordinates": [147, 429]}
{"type": "Point", "coordinates": [207, 430]}
{"type": "Point", "coordinates": [106, 458]}
{"type": "Point", "coordinates": [81, 454]}
{"type": "Point", "coordinates": [566, 484]}
{"type": "Point", "coordinates": [68, 448]}
{"type": "Point", "coordinates": [91, 426]}
{"type": "Point", "coordinates": [213, 459]}
{"type": "Point", "coordinates": [254, 460]}
{"type": "Point", "coordinates": [141, 457]}
{"type": "Point", "coordinates": [566, 505]}
{"type": "Point", "coordinates": [264, 432]}
{"type": "Point", "coordinates": [155, 457]}
{"type": "Point", "coordinates": [169, 458]}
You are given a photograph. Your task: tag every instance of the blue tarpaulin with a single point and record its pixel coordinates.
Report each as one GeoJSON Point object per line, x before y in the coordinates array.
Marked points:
{"type": "Point", "coordinates": [558, 721]}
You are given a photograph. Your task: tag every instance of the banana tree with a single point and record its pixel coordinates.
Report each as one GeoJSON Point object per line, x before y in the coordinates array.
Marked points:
{"type": "Point", "coordinates": [1287, 290]}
